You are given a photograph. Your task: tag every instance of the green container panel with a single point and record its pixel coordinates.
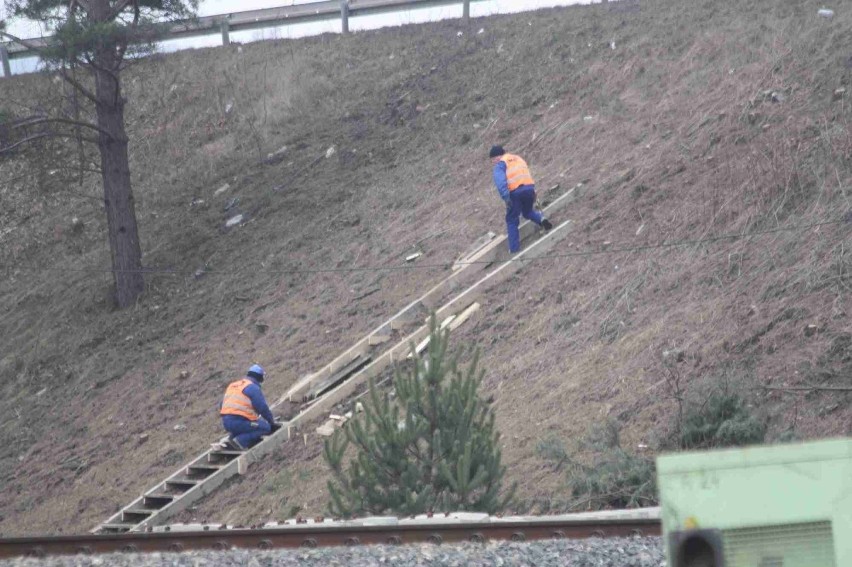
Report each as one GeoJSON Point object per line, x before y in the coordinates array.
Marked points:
{"type": "Point", "coordinates": [784, 505]}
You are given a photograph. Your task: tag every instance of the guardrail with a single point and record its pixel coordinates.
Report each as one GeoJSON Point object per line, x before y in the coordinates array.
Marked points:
{"type": "Point", "coordinates": [323, 10]}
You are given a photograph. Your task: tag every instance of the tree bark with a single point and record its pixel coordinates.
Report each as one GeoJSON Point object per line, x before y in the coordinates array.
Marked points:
{"type": "Point", "coordinates": [118, 193]}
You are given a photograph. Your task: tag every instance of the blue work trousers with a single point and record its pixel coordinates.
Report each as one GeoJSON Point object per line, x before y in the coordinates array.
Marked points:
{"type": "Point", "coordinates": [521, 202]}
{"type": "Point", "coordinates": [245, 431]}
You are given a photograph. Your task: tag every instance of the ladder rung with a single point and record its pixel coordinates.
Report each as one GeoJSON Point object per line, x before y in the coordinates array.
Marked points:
{"type": "Point", "coordinates": [182, 484]}
{"type": "Point", "coordinates": [117, 527]}
{"type": "Point", "coordinates": [136, 516]}
{"type": "Point", "coordinates": [204, 467]}
{"type": "Point", "coordinates": [139, 511]}
{"type": "Point", "coordinates": [226, 453]}
{"type": "Point", "coordinates": [159, 496]}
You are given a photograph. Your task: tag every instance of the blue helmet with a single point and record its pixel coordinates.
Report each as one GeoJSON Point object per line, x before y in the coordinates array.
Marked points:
{"type": "Point", "coordinates": [256, 372]}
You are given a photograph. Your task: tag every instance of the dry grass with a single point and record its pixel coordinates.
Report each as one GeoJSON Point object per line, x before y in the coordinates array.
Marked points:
{"type": "Point", "coordinates": [671, 134]}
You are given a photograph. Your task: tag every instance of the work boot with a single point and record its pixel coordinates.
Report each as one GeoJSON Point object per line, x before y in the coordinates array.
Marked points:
{"type": "Point", "coordinates": [546, 224]}
{"type": "Point", "coordinates": [235, 445]}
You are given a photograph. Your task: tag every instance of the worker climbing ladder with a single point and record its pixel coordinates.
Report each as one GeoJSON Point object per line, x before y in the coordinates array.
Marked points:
{"type": "Point", "coordinates": [338, 380]}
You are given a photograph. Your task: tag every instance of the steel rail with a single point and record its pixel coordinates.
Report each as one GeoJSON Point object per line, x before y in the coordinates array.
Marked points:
{"type": "Point", "coordinates": [316, 535]}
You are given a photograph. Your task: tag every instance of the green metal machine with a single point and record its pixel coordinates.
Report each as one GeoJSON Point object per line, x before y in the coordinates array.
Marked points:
{"type": "Point", "coordinates": [778, 506]}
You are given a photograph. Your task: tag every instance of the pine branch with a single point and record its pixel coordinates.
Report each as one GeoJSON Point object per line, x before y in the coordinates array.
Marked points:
{"type": "Point", "coordinates": [48, 135]}
{"type": "Point", "coordinates": [79, 86]}
{"type": "Point", "coordinates": [22, 142]}
{"type": "Point", "coordinates": [69, 121]}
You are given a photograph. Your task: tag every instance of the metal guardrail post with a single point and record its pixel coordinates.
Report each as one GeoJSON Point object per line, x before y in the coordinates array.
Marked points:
{"type": "Point", "coordinates": [4, 55]}
{"type": "Point", "coordinates": [344, 15]}
{"type": "Point", "coordinates": [226, 38]}
{"type": "Point", "coordinates": [466, 11]}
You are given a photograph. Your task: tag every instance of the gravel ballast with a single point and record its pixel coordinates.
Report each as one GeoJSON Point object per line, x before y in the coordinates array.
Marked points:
{"type": "Point", "coordinates": [612, 552]}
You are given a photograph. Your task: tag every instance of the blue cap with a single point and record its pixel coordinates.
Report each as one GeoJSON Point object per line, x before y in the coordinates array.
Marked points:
{"type": "Point", "coordinates": [256, 372]}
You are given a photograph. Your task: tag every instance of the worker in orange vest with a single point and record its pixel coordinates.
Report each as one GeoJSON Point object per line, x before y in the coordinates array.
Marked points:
{"type": "Point", "coordinates": [517, 188]}
{"type": "Point", "coordinates": [245, 413]}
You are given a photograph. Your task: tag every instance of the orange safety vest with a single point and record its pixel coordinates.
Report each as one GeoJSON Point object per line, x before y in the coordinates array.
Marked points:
{"type": "Point", "coordinates": [237, 403]}
{"type": "Point", "coordinates": [517, 172]}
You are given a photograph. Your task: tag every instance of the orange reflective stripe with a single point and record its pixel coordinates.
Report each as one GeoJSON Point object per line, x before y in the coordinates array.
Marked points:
{"type": "Point", "coordinates": [237, 403]}
{"type": "Point", "coordinates": [517, 171]}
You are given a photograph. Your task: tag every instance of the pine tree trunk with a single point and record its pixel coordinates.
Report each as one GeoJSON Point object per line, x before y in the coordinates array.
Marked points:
{"type": "Point", "coordinates": [118, 194]}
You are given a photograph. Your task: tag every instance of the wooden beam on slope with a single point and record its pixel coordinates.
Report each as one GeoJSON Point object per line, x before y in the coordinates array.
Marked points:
{"type": "Point", "coordinates": [417, 310]}
{"type": "Point", "coordinates": [456, 306]}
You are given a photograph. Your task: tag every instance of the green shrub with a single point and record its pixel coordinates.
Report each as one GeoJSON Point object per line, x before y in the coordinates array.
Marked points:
{"type": "Point", "coordinates": [723, 420]}
{"type": "Point", "coordinates": [614, 479]}
{"type": "Point", "coordinates": [618, 479]}
{"type": "Point", "coordinates": [553, 449]}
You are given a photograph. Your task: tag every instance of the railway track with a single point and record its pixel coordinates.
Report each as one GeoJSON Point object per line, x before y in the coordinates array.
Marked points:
{"type": "Point", "coordinates": [460, 527]}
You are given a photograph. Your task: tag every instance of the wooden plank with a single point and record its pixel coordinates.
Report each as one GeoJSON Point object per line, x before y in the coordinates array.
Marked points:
{"type": "Point", "coordinates": [139, 502]}
{"type": "Point", "coordinates": [297, 391]}
{"type": "Point", "coordinates": [425, 342]}
{"type": "Point", "coordinates": [464, 316]}
{"type": "Point", "coordinates": [413, 314]}
{"type": "Point", "coordinates": [420, 307]}
{"type": "Point", "coordinates": [346, 389]}
{"type": "Point", "coordinates": [536, 249]}
{"type": "Point", "coordinates": [300, 390]}
{"type": "Point", "coordinates": [181, 501]}
{"type": "Point", "coordinates": [489, 252]}
{"type": "Point", "coordinates": [477, 263]}
{"type": "Point", "coordinates": [326, 430]}
{"type": "Point", "coordinates": [465, 299]}
{"type": "Point", "coordinates": [191, 496]}
{"type": "Point", "coordinates": [341, 375]}
{"type": "Point", "coordinates": [381, 335]}
{"type": "Point", "coordinates": [378, 339]}
{"type": "Point", "coordinates": [478, 245]}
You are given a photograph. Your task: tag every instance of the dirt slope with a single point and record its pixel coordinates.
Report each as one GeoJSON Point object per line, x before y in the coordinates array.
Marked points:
{"type": "Point", "coordinates": [667, 117]}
